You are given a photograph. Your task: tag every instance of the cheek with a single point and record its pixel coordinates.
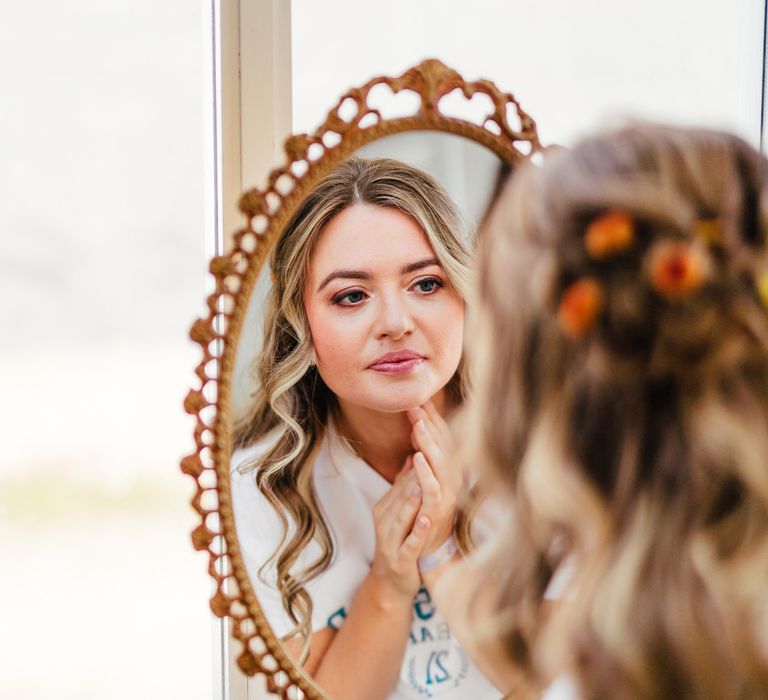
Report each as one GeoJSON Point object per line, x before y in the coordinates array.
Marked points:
{"type": "Point", "coordinates": [446, 329]}
{"type": "Point", "coordinates": [456, 334]}
{"type": "Point", "coordinates": [334, 338]}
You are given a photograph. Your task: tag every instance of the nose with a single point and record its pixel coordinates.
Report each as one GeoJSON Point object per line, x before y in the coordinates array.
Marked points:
{"type": "Point", "coordinates": [394, 319]}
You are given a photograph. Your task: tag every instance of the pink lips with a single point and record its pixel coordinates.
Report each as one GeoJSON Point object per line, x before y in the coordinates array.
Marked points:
{"type": "Point", "coordinates": [400, 362]}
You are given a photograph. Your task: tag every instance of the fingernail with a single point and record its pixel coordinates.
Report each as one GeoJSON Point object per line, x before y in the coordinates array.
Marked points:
{"type": "Point", "coordinates": [416, 492]}
{"type": "Point", "coordinates": [423, 521]}
{"type": "Point", "coordinates": [420, 427]}
{"type": "Point", "coordinates": [418, 457]}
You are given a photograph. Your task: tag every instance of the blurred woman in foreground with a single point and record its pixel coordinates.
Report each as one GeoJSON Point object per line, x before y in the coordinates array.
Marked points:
{"type": "Point", "coordinates": [620, 357]}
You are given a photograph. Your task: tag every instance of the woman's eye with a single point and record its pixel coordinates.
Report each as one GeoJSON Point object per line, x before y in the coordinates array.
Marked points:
{"type": "Point", "coordinates": [350, 298]}
{"type": "Point", "coordinates": [428, 285]}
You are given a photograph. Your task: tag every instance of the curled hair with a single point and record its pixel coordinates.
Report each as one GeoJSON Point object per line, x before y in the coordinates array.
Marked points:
{"type": "Point", "coordinates": [635, 450]}
{"type": "Point", "coordinates": [292, 399]}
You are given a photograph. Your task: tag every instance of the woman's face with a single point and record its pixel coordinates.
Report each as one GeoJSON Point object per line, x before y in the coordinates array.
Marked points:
{"type": "Point", "coordinates": [385, 322]}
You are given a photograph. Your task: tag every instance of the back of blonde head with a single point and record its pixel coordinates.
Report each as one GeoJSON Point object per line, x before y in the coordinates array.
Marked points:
{"type": "Point", "coordinates": [638, 450]}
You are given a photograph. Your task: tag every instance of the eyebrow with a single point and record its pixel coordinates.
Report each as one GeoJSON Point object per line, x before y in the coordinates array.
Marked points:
{"type": "Point", "coordinates": [363, 275]}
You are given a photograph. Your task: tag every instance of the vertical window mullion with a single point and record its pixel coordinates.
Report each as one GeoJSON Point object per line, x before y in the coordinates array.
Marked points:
{"type": "Point", "coordinates": [249, 119]}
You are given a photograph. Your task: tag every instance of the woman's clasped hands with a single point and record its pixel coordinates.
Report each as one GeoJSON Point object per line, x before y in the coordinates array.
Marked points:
{"type": "Point", "coordinates": [417, 514]}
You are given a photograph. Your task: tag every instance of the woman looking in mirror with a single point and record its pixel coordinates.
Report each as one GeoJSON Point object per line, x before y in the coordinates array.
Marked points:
{"type": "Point", "coordinates": [621, 345]}
{"type": "Point", "coordinates": [361, 361]}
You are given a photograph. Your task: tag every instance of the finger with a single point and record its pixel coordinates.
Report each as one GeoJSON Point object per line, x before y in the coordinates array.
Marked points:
{"type": "Point", "coordinates": [381, 505]}
{"type": "Point", "coordinates": [436, 427]}
{"type": "Point", "coordinates": [407, 466]}
{"type": "Point", "coordinates": [415, 413]}
{"type": "Point", "coordinates": [414, 543]}
{"type": "Point", "coordinates": [402, 484]}
{"type": "Point", "coordinates": [430, 450]}
{"type": "Point", "coordinates": [403, 517]}
{"type": "Point", "coordinates": [444, 430]}
{"type": "Point", "coordinates": [392, 492]}
{"type": "Point", "coordinates": [445, 440]}
{"type": "Point", "coordinates": [433, 420]}
{"type": "Point", "coordinates": [407, 487]}
{"type": "Point", "coordinates": [399, 518]}
{"type": "Point", "coordinates": [429, 484]}
{"type": "Point", "coordinates": [384, 504]}
{"type": "Point", "coordinates": [408, 480]}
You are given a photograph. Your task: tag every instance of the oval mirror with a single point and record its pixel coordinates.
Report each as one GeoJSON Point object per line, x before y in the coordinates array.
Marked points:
{"type": "Point", "coordinates": [366, 226]}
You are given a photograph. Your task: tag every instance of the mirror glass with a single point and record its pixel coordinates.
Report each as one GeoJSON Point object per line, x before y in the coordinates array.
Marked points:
{"type": "Point", "coordinates": [470, 174]}
{"type": "Point", "coordinates": [345, 485]}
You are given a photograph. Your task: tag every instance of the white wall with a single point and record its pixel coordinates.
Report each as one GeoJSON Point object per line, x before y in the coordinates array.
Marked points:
{"type": "Point", "coordinates": [573, 64]}
{"type": "Point", "coordinates": [101, 274]}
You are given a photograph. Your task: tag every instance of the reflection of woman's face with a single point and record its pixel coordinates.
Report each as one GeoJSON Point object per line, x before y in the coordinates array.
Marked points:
{"type": "Point", "coordinates": [385, 322]}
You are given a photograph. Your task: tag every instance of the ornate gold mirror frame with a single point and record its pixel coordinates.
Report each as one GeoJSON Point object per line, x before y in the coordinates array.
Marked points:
{"type": "Point", "coordinates": [507, 131]}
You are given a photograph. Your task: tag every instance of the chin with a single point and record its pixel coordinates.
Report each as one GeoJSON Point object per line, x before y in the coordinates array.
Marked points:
{"type": "Point", "coordinates": [399, 399]}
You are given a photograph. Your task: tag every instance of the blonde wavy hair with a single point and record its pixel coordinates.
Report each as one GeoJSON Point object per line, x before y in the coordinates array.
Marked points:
{"type": "Point", "coordinates": [636, 455]}
{"type": "Point", "coordinates": [292, 399]}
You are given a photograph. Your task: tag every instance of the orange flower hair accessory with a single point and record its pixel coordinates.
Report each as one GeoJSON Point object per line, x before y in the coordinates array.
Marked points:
{"type": "Point", "coordinates": [609, 234]}
{"type": "Point", "coordinates": [579, 307]}
{"type": "Point", "coordinates": [677, 269]}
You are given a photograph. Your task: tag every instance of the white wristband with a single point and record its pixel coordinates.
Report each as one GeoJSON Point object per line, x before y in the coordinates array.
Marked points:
{"type": "Point", "coordinates": [442, 555]}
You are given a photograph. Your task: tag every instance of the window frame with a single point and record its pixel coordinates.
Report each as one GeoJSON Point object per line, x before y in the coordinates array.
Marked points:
{"type": "Point", "coordinates": [247, 94]}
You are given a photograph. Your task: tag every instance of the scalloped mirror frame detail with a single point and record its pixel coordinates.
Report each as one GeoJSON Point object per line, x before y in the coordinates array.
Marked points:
{"type": "Point", "coordinates": [351, 124]}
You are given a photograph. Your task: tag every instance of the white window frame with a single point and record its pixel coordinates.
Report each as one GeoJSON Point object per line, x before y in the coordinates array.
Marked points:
{"type": "Point", "coordinates": [247, 94]}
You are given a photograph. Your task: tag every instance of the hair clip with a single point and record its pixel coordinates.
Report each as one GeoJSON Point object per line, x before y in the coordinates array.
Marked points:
{"type": "Point", "coordinates": [677, 269]}
{"type": "Point", "coordinates": [579, 307]}
{"type": "Point", "coordinates": [708, 231]}
{"type": "Point", "coordinates": [609, 234]}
